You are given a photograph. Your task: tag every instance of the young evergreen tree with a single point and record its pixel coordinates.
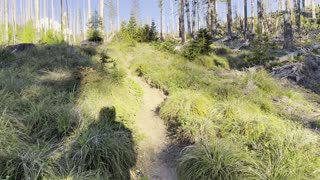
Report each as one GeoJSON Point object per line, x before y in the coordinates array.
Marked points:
{"type": "Point", "coordinates": [95, 28]}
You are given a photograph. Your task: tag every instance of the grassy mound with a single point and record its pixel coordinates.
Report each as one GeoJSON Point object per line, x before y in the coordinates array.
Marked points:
{"type": "Point", "coordinates": [64, 116]}
{"type": "Point", "coordinates": [242, 125]}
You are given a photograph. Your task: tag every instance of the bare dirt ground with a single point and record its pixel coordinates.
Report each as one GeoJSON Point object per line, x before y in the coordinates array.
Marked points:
{"type": "Point", "coordinates": [155, 156]}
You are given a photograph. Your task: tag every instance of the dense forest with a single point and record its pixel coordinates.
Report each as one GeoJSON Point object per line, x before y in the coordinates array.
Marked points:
{"type": "Point", "coordinates": [201, 89]}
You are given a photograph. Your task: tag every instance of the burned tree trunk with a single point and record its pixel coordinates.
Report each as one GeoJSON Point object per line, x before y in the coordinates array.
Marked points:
{"type": "Point", "coordinates": [288, 32]}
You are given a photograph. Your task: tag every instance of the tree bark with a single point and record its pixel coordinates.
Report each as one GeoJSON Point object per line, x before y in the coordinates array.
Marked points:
{"type": "Point", "coordinates": [89, 9]}
{"type": "Point", "coordinates": [260, 15]}
{"type": "Point", "coordinates": [288, 32]}
{"type": "Point", "coordinates": [313, 9]}
{"type": "Point", "coordinates": [181, 22]}
{"type": "Point", "coordinates": [298, 13]}
{"type": "Point", "coordinates": [194, 14]}
{"type": "Point", "coordinates": [209, 11]}
{"type": "Point", "coordinates": [14, 9]}
{"type": "Point", "coordinates": [101, 12]}
{"type": "Point", "coordinates": [118, 14]}
{"type": "Point", "coordinates": [52, 9]}
{"type": "Point", "coordinates": [188, 16]}
{"type": "Point", "coordinates": [213, 15]}
{"type": "Point", "coordinates": [6, 22]}
{"type": "Point", "coordinates": [229, 19]}
{"type": "Point", "coordinates": [37, 18]}
{"type": "Point", "coordinates": [252, 15]}
{"type": "Point", "coordinates": [172, 17]}
{"type": "Point", "coordinates": [161, 19]}
{"type": "Point", "coordinates": [198, 14]}
{"type": "Point", "coordinates": [61, 16]}
{"type": "Point", "coordinates": [245, 17]}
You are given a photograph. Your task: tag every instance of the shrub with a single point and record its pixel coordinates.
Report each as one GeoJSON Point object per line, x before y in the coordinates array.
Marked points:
{"type": "Point", "coordinates": [6, 57]}
{"type": "Point", "coordinates": [132, 32]}
{"type": "Point", "coordinates": [200, 45]}
{"type": "Point", "coordinates": [167, 45]}
{"type": "Point", "coordinates": [261, 50]}
{"type": "Point", "coordinates": [223, 50]}
{"type": "Point", "coordinates": [51, 37]}
{"type": "Point", "coordinates": [186, 111]}
{"type": "Point", "coordinates": [28, 35]}
{"type": "Point", "coordinates": [219, 159]}
{"type": "Point", "coordinates": [95, 31]}
{"type": "Point", "coordinates": [91, 51]}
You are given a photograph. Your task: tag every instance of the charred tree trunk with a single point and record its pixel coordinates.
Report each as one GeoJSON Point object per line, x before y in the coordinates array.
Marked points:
{"type": "Point", "coordinates": [229, 19]}
{"type": "Point", "coordinates": [260, 15]}
{"type": "Point", "coordinates": [181, 22]}
{"type": "Point", "coordinates": [213, 15]}
{"type": "Point", "coordinates": [188, 16]}
{"type": "Point", "coordinates": [209, 14]}
{"type": "Point", "coordinates": [245, 17]}
{"type": "Point", "coordinates": [194, 14]}
{"type": "Point", "coordinates": [298, 13]}
{"type": "Point", "coordinates": [288, 33]}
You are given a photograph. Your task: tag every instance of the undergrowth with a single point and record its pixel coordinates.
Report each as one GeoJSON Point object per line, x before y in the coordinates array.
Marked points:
{"type": "Point", "coordinates": [240, 124]}
{"type": "Point", "coordinates": [66, 116]}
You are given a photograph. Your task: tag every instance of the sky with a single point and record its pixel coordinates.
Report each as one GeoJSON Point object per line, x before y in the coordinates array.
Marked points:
{"type": "Point", "coordinates": [148, 9]}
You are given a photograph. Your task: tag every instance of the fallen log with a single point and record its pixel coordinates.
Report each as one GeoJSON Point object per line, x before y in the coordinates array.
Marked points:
{"type": "Point", "coordinates": [20, 47]}
{"type": "Point", "coordinates": [300, 52]}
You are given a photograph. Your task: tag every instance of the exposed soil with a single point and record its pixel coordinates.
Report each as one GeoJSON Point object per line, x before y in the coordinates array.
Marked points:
{"type": "Point", "coordinates": [156, 153]}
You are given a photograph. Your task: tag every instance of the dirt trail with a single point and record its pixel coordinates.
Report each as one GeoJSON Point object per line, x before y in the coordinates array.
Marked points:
{"type": "Point", "coordinates": [155, 157]}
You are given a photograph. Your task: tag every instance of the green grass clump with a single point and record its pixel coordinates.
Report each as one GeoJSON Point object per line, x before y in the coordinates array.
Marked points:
{"type": "Point", "coordinates": [185, 112]}
{"type": "Point", "coordinates": [106, 146]}
{"type": "Point", "coordinates": [212, 62]}
{"type": "Point", "coordinates": [215, 160]}
{"type": "Point", "coordinates": [221, 50]}
{"type": "Point", "coordinates": [252, 123]}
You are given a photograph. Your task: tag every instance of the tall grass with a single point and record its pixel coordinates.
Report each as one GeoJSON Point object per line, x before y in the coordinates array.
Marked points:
{"type": "Point", "coordinates": [216, 160]}
{"type": "Point", "coordinates": [243, 125]}
{"type": "Point", "coordinates": [52, 124]}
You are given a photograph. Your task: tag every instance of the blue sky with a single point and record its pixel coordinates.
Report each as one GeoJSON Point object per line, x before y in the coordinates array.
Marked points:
{"type": "Point", "coordinates": [148, 8]}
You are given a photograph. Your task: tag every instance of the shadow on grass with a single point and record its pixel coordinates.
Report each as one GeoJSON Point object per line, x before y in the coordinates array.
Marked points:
{"type": "Point", "coordinates": [38, 98]}
{"type": "Point", "coordinates": [106, 147]}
